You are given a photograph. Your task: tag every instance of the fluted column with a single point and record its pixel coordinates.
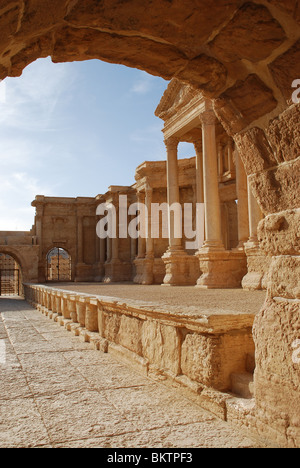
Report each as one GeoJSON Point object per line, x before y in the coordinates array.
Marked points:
{"type": "Point", "coordinates": [213, 233]}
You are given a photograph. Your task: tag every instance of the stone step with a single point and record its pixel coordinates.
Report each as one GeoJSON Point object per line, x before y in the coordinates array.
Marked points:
{"type": "Point", "coordinates": [242, 385]}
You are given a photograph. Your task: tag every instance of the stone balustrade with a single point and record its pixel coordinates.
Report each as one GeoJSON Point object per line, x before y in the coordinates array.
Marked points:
{"type": "Point", "coordinates": [197, 353]}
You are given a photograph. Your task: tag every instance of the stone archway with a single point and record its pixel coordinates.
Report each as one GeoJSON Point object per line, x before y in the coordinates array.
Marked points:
{"type": "Point", "coordinates": [58, 265]}
{"type": "Point", "coordinates": [245, 56]}
{"type": "Point", "coordinates": [11, 282]}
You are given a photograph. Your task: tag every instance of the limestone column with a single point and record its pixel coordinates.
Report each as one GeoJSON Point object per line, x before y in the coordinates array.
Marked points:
{"type": "Point", "coordinates": [199, 172]}
{"type": "Point", "coordinates": [213, 232]}
{"type": "Point", "coordinates": [175, 243]}
{"type": "Point", "coordinates": [220, 160]}
{"type": "Point", "coordinates": [102, 243]}
{"type": "Point", "coordinates": [108, 249]}
{"type": "Point", "coordinates": [149, 240]}
{"type": "Point", "coordinates": [242, 193]}
{"type": "Point", "coordinates": [147, 277]}
{"type": "Point", "coordinates": [177, 261]}
{"type": "Point", "coordinates": [258, 262]}
{"type": "Point", "coordinates": [141, 240]}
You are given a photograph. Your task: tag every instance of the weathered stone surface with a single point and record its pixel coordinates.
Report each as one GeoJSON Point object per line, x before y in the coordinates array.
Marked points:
{"type": "Point", "coordinates": [267, 187]}
{"type": "Point", "coordinates": [41, 16]}
{"type": "Point", "coordinates": [283, 134]}
{"type": "Point", "coordinates": [243, 103]}
{"type": "Point", "coordinates": [111, 326]}
{"type": "Point", "coordinates": [255, 150]}
{"type": "Point", "coordinates": [205, 70]}
{"type": "Point", "coordinates": [252, 34]}
{"type": "Point", "coordinates": [161, 345]}
{"type": "Point", "coordinates": [205, 359]}
{"type": "Point", "coordinates": [115, 48]}
{"type": "Point", "coordinates": [284, 277]}
{"type": "Point", "coordinates": [36, 49]}
{"type": "Point", "coordinates": [130, 334]}
{"type": "Point", "coordinates": [198, 356]}
{"type": "Point", "coordinates": [9, 23]}
{"type": "Point", "coordinates": [290, 6]}
{"type": "Point", "coordinates": [279, 234]}
{"type": "Point", "coordinates": [185, 27]}
{"type": "Point", "coordinates": [276, 330]}
{"type": "Point", "coordinates": [286, 69]}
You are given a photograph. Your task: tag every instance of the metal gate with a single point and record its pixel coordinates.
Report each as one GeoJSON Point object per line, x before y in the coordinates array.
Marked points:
{"type": "Point", "coordinates": [58, 265]}
{"type": "Point", "coordinates": [9, 282]}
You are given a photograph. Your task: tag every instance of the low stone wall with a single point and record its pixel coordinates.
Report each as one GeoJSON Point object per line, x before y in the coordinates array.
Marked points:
{"type": "Point", "coordinates": [195, 353]}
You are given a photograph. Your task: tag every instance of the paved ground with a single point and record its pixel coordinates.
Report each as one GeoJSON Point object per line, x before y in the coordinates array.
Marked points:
{"type": "Point", "coordinates": [57, 392]}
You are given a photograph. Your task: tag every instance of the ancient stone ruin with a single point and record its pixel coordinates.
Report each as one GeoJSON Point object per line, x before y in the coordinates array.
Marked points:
{"type": "Point", "coordinates": [232, 66]}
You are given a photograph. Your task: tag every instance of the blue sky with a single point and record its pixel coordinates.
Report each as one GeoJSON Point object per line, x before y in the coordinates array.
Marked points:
{"type": "Point", "coordinates": [73, 129]}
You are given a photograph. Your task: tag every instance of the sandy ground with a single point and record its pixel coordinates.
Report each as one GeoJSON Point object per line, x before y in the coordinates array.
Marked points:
{"type": "Point", "coordinates": [184, 298]}
{"type": "Point", "coordinates": [55, 391]}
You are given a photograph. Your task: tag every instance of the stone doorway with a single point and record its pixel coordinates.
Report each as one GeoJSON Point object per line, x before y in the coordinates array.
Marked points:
{"type": "Point", "coordinates": [58, 265]}
{"type": "Point", "coordinates": [10, 276]}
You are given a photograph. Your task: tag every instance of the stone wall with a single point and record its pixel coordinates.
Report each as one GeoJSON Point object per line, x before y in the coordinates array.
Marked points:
{"type": "Point", "coordinates": [196, 353]}
{"type": "Point", "coordinates": [244, 55]}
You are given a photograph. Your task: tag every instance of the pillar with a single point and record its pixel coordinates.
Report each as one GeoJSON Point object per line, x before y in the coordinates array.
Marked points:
{"type": "Point", "coordinates": [175, 243]}
{"type": "Point", "coordinates": [179, 265]}
{"type": "Point", "coordinates": [199, 172]}
{"type": "Point", "coordinates": [147, 277]}
{"type": "Point", "coordinates": [141, 240]}
{"type": "Point", "coordinates": [258, 263]}
{"type": "Point", "coordinates": [213, 232]}
{"type": "Point", "coordinates": [219, 268]}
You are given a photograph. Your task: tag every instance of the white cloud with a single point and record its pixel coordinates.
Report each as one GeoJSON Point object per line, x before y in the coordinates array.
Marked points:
{"type": "Point", "coordinates": [28, 109]}
{"type": "Point", "coordinates": [2, 92]}
{"type": "Point", "coordinates": [16, 195]}
{"type": "Point", "coordinates": [28, 102]}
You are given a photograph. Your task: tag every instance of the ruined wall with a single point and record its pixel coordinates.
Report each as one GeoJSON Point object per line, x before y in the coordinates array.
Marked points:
{"type": "Point", "coordinates": [245, 55]}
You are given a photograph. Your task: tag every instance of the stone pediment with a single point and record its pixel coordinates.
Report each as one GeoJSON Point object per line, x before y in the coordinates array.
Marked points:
{"type": "Point", "coordinates": [176, 96]}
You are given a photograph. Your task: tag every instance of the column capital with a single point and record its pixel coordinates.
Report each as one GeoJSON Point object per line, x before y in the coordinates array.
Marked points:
{"type": "Point", "coordinates": [208, 117]}
{"type": "Point", "coordinates": [198, 145]}
{"type": "Point", "coordinates": [140, 196]}
{"type": "Point", "coordinates": [171, 143]}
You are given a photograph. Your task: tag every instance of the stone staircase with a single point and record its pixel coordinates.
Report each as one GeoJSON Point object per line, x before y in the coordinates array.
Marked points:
{"type": "Point", "coordinates": [242, 384]}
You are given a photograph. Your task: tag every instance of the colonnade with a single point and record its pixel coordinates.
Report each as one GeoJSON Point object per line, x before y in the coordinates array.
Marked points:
{"type": "Point", "coordinates": [212, 265]}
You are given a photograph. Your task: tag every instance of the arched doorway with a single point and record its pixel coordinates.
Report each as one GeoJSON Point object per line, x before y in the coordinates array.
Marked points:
{"type": "Point", "coordinates": [10, 276]}
{"type": "Point", "coordinates": [58, 265]}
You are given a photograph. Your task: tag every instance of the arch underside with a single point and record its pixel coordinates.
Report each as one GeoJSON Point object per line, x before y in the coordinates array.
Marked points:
{"type": "Point", "coordinates": [245, 56]}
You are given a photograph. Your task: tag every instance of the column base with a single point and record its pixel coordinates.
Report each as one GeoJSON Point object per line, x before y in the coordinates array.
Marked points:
{"type": "Point", "coordinates": [144, 271]}
{"type": "Point", "coordinates": [84, 273]}
{"type": "Point", "coordinates": [117, 271]}
{"type": "Point", "coordinates": [221, 269]}
{"type": "Point", "coordinates": [181, 269]}
{"type": "Point", "coordinates": [99, 272]}
{"type": "Point", "coordinates": [258, 264]}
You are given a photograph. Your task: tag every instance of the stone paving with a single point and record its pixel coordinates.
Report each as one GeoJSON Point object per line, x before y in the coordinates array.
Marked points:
{"type": "Point", "coordinates": [55, 391]}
